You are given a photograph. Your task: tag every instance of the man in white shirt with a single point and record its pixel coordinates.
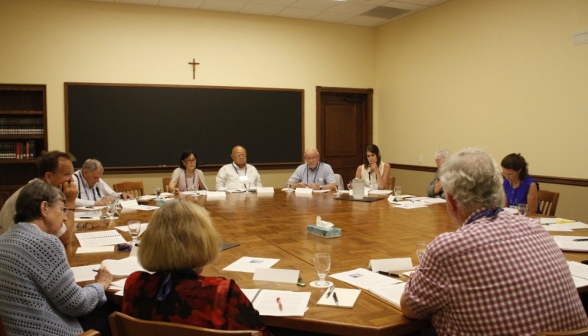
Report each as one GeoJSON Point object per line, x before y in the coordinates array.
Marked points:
{"type": "Point", "coordinates": [92, 190]}
{"type": "Point", "coordinates": [238, 173]}
{"type": "Point", "coordinates": [55, 168]}
{"type": "Point", "coordinates": [313, 174]}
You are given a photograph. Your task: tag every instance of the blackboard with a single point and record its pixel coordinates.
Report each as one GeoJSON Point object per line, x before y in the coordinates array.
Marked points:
{"type": "Point", "coordinates": [133, 127]}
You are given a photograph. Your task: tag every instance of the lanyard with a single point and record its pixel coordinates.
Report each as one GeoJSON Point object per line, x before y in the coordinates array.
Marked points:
{"type": "Point", "coordinates": [86, 185]}
{"type": "Point", "coordinates": [237, 171]}
{"type": "Point", "coordinates": [487, 213]}
{"type": "Point", "coordinates": [315, 174]}
{"type": "Point", "coordinates": [193, 178]}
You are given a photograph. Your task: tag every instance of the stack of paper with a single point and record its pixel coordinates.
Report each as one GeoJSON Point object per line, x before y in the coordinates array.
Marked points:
{"type": "Point", "coordinates": [572, 243]}
{"type": "Point", "coordinates": [278, 303]}
{"type": "Point", "coordinates": [100, 238]}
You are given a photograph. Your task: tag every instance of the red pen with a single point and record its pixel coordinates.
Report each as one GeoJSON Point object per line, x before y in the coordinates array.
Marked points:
{"type": "Point", "coordinates": [279, 303]}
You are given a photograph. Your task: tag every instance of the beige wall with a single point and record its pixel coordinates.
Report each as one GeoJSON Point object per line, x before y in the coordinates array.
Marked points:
{"type": "Point", "coordinates": [498, 74]}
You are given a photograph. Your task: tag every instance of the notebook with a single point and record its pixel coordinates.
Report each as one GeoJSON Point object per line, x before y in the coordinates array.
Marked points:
{"type": "Point", "coordinates": [346, 297]}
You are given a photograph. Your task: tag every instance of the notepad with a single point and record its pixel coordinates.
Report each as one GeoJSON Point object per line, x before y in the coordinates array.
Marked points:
{"type": "Point", "coordinates": [122, 267]}
{"type": "Point", "coordinates": [346, 297]}
{"type": "Point", "coordinates": [579, 273]}
{"type": "Point", "coordinates": [390, 293]}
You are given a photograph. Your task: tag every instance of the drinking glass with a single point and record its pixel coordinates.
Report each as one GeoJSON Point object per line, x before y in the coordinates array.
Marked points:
{"type": "Point", "coordinates": [397, 190]}
{"type": "Point", "coordinates": [111, 208]}
{"type": "Point", "coordinates": [195, 188]}
{"type": "Point", "coordinates": [246, 185]}
{"type": "Point", "coordinates": [421, 247]}
{"type": "Point", "coordinates": [157, 192]}
{"type": "Point", "coordinates": [288, 187]}
{"type": "Point", "coordinates": [523, 209]}
{"type": "Point", "coordinates": [134, 229]}
{"type": "Point", "coordinates": [322, 265]}
{"type": "Point", "coordinates": [337, 190]}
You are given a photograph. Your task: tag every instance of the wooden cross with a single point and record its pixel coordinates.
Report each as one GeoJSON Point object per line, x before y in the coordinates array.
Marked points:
{"type": "Point", "coordinates": [193, 64]}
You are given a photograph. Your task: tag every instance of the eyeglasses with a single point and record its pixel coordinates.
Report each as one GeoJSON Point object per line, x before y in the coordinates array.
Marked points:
{"type": "Point", "coordinates": [64, 210]}
{"type": "Point", "coordinates": [191, 161]}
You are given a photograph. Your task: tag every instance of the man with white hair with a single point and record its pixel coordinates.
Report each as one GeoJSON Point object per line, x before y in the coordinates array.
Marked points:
{"type": "Point", "coordinates": [435, 188]}
{"type": "Point", "coordinates": [92, 190]}
{"type": "Point", "coordinates": [499, 273]}
{"type": "Point", "coordinates": [314, 174]}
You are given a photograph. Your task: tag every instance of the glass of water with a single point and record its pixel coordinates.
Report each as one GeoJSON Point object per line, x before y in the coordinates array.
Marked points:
{"type": "Point", "coordinates": [421, 248]}
{"type": "Point", "coordinates": [337, 190]}
{"type": "Point", "coordinates": [288, 187]}
{"type": "Point", "coordinates": [111, 208]}
{"type": "Point", "coordinates": [134, 229]}
{"type": "Point", "coordinates": [397, 190]}
{"type": "Point", "coordinates": [157, 191]}
{"type": "Point", "coordinates": [523, 209]}
{"type": "Point", "coordinates": [322, 265]}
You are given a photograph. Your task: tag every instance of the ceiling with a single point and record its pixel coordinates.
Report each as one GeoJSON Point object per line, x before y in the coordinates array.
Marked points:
{"type": "Point", "coordinates": [369, 13]}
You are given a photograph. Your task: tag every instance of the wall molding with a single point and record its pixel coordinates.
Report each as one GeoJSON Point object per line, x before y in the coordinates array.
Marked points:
{"type": "Point", "coordinates": [576, 182]}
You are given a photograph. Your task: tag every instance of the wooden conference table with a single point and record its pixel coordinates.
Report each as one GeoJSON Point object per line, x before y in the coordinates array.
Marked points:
{"type": "Point", "coordinates": [274, 226]}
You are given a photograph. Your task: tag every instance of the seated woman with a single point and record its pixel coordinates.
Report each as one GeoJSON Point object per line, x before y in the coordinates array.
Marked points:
{"type": "Point", "coordinates": [38, 291]}
{"type": "Point", "coordinates": [187, 176]}
{"type": "Point", "coordinates": [519, 187]}
{"type": "Point", "coordinates": [374, 171]}
{"type": "Point", "coordinates": [179, 241]}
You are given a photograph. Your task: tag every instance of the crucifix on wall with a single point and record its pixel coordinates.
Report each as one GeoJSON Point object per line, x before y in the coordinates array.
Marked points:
{"type": "Point", "coordinates": [193, 64]}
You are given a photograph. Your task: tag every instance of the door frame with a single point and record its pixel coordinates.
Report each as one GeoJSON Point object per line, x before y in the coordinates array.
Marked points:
{"type": "Point", "coordinates": [367, 120]}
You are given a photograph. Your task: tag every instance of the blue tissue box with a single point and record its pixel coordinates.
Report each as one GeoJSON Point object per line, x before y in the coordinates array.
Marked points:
{"type": "Point", "coordinates": [333, 232]}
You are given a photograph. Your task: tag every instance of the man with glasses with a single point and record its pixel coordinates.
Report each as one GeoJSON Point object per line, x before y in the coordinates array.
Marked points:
{"type": "Point", "coordinates": [92, 190]}
{"type": "Point", "coordinates": [237, 175]}
{"type": "Point", "coordinates": [54, 168]}
{"type": "Point", "coordinates": [313, 174]}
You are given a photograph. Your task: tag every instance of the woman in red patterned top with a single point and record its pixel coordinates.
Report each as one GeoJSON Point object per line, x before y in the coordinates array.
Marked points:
{"type": "Point", "coordinates": [179, 242]}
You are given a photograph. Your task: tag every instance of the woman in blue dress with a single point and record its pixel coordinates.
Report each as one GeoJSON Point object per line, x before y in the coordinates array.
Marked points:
{"type": "Point", "coordinates": [519, 187]}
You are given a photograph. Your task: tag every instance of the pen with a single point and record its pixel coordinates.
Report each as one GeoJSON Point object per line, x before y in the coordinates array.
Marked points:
{"type": "Point", "coordinates": [85, 217]}
{"type": "Point", "coordinates": [390, 274]}
{"type": "Point", "coordinates": [279, 303]}
{"type": "Point", "coordinates": [94, 270]}
{"type": "Point", "coordinates": [582, 239]}
{"type": "Point", "coordinates": [335, 298]}
{"type": "Point", "coordinates": [331, 289]}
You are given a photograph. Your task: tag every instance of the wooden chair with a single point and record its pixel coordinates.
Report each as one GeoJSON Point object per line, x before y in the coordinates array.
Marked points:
{"type": "Point", "coordinates": [134, 188]}
{"type": "Point", "coordinates": [548, 202]}
{"type": "Point", "coordinates": [124, 325]}
{"type": "Point", "coordinates": [165, 182]}
{"type": "Point", "coordinates": [391, 183]}
{"type": "Point", "coordinates": [577, 332]}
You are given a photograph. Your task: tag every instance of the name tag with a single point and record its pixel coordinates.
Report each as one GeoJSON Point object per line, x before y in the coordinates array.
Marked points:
{"type": "Point", "coordinates": [243, 178]}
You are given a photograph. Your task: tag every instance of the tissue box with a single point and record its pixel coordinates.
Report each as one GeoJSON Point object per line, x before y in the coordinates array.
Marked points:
{"type": "Point", "coordinates": [332, 232]}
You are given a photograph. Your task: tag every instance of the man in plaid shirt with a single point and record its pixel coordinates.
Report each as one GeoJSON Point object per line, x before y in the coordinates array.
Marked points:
{"type": "Point", "coordinates": [499, 274]}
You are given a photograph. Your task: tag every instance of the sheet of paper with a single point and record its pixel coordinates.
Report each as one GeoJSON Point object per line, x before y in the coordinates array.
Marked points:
{"type": "Point", "coordinates": [249, 264]}
{"type": "Point", "coordinates": [87, 216]}
{"type": "Point", "coordinates": [303, 191]}
{"type": "Point", "coordinates": [293, 303]}
{"type": "Point", "coordinates": [85, 273]}
{"type": "Point", "coordinates": [321, 191]}
{"type": "Point", "coordinates": [216, 194]}
{"type": "Point", "coordinates": [390, 265]}
{"type": "Point", "coordinates": [143, 207]}
{"type": "Point", "coordinates": [250, 293]}
{"type": "Point", "coordinates": [556, 228]}
{"type": "Point", "coordinates": [511, 210]}
{"type": "Point", "coordinates": [146, 198]}
{"type": "Point", "coordinates": [555, 220]}
{"type": "Point", "coordinates": [276, 274]}
{"type": "Point", "coordinates": [345, 296]}
{"type": "Point", "coordinates": [122, 267]}
{"type": "Point", "coordinates": [579, 273]}
{"type": "Point", "coordinates": [380, 192]}
{"type": "Point", "coordinates": [390, 293]}
{"type": "Point", "coordinates": [568, 243]}
{"type": "Point", "coordinates": [408, 205]}
{"type": "Point", "coordinates": [99, 238]}
{"type": "Point", "coordinates": [89, 208]}
{"type": "Point", "coordinates": [128, 203]}
{"type": "Point", "coordinates": [364, 278]}
{"type": "Point", "coordinates": [119, 283]}
{"type": "Point", "coordinates": [95, 249]}
{"type": "Point", "coordinates": [429, 200]}
{"type": "Point", "coordinates": [574, 225]}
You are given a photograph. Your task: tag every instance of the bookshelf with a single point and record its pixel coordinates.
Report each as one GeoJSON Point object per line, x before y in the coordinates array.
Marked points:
{"type": "Point", "coordinates": [23, 134]}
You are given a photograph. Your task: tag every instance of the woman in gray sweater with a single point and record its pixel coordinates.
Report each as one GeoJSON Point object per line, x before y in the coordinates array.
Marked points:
{"type": "Point", "coordinates": [38, 292]}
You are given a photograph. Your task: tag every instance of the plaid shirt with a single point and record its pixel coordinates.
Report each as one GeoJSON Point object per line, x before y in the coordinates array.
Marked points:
{"type": "Point", "coordinates": [501, 275]}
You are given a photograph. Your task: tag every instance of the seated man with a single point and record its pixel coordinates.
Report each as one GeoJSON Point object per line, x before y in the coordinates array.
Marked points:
{"type": "Point", "coordinates": [238, 173]}
{"type": "Point", "coordinates": [499, 274]}
{"type": "Point", "coordinates": [313, 174]}
{"type": "Point", "coordinates": [92, 190]}
{"type": "Point", "coordinates": [435, 188]}
{"type": "Point", "coordinates": [54, 168]}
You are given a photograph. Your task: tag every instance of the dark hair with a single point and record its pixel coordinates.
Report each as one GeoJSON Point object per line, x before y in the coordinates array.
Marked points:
{"type": "Point", "coordinates": [49, 161]}
{"type": "Point", "coordinates": [374, 149]}
{"type": "Point", "coordinates": [186, 154]}
{"type": "Point", "coordinates": [516, 162]}
{"type": "Point", "coordinates": [28, 202]}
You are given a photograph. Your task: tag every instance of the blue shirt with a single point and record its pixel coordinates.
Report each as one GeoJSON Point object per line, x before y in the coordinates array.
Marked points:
{"type": "Point", "coordinates": [321, 175]}
{"type": "Point", "coordinates": [516, 196]}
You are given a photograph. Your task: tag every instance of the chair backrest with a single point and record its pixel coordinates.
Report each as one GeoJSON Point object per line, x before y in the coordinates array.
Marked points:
{"type": "Point", "coordinates": [577, 332]}
{"type": "Point", "coordinates": [339, 181]}
{"type": "Point", "coordinates": [134, 188]}
{"type": "Point", "coordinates": [391, 183]}
{"type": "Point", "coordinates": [165, 182]}
{"type": "Point", "coordinates": [548, 202]}
{"type": "Point", "coordinates": [124, 325]}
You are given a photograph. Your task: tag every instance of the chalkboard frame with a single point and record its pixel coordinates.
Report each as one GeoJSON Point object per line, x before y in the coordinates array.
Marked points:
{"type": "Point", "coordinates": [87, 117]}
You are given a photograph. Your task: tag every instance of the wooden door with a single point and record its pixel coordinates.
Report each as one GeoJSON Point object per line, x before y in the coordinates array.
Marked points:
{"type": "Point", "coordinates": [344, 127]}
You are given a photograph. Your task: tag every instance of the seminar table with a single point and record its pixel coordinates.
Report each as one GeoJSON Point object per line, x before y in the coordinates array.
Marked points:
{"type": "Point", "coordinates": [274, 226]}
